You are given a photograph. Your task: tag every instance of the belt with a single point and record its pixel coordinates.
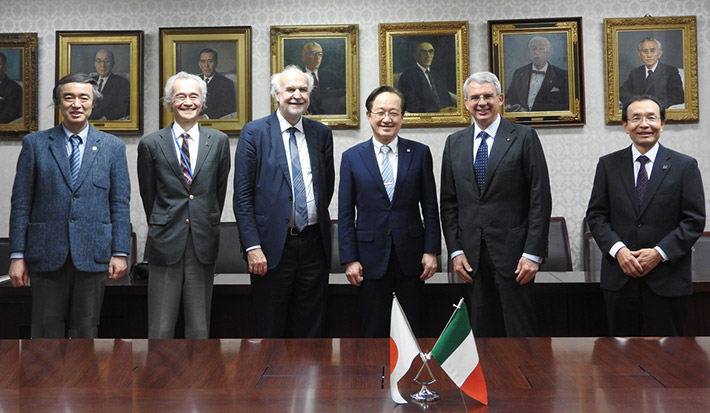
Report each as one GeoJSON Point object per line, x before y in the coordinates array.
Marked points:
{"type": "Point", "coordinates": [294, 232]}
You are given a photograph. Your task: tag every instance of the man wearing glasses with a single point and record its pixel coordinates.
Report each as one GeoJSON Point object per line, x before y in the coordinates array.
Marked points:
{"type": "Point", "coordinates": [423, 88]}
{"type": "Point", "coordinates": [328, 94]}
{"type": "Point", "coordinates": [116, 90]}
{"type": "Point", "coordinates": [646, 210]}
{"type": "Point", "coordinates": [387, 186]}
{"type": "Point", "coordinates": [495, 212]}
{"type": "Point", "coordinates": [653, 77]}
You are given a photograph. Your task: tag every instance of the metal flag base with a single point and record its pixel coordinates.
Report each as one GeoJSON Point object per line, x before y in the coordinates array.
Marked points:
{"type": "Point", "coordinates": [424, 394]}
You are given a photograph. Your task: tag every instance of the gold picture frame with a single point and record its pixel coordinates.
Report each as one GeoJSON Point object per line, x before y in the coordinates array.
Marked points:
{"type": "Point", "coordinates": [446, 43]}
{"type": "Point", "coordinates": [121, 110]}
{"type": "Point", "coordinates": [180, 50]}
{"type": "Point", "coordinates": [677, 62]}
{"type": "Point", "coordinates": [335, 100]}
{"type": "Point", "coordinates": [18, 84]}
{"type": "Point", "coordinates": [554, 46]}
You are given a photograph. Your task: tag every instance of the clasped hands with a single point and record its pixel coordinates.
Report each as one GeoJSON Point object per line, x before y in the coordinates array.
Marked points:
{"type": "Point", "coordinates": [638, 263]}
{"type": "Point", "coordinates": [524, 273]}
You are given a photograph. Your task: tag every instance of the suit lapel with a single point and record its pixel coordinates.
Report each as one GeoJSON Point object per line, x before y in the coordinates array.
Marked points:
{"type": "Point", "coordinates": [463, 156]}
{"type": "Point", "coordinates": [505, 137]}
{"type": "Point", "coordinates": [660, 169]}
{"type": "Point", "coordinates": [169, 148]}
{"type": "Point", "coordinates": [277, 146]}
{"type": "Point", "coordinates": [203, 150]}
{"type": "Point", "coordinates": [312, 145]}
{"type": "Point", "coordinates": [58, 147]}
{"type": "Point", "coordinates": [367, 154]}
{"type": "Point", "coordinates": [404, 158]}
{"type": "Point", "coordinates": [626, 172]}
{"type": "Point", "coordinates": [91, 148]}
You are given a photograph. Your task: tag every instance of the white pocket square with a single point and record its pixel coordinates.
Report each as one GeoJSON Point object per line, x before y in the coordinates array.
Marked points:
{"type": "Point", "coordinates": [555, 89]}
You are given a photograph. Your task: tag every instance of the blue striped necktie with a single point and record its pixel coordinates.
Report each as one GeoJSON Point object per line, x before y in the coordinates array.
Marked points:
{"type": "Point", "coordinates": [75, 158]}
{"type": "Point", "coordinates": [481, 161]}
{"type": "Point", "coordinates": [386, 171]}
{"type": "Point", "coordinates": [300, 216]}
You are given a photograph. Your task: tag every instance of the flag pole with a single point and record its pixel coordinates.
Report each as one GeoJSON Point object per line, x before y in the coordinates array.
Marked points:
{"type": "Point", "coordinates": [457, 308]}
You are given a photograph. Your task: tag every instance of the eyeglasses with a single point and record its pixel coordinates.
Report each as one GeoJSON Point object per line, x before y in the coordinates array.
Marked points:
{"type": "Point", "coordinates": [392, 115]}
{"type": "Point", "coordinates": [486, 98]}
{"type": "Point", "coordinates": [104, 61]}
{"type": "Point", "coordinates": [651, 120]}
{"type": "Point", "coordinates": [319, 54]}
{"type": "Point", "coordinates": [430, 51]}
{"type": "Point", "coordinates": [182, 97]}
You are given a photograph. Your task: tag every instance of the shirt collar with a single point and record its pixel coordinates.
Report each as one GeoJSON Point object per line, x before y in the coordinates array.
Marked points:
{"type": "Point", "coordinates": [544, 68]}
{"type": "Point", "coordinates": [393, 145]}
{"type": "Point", "coordinates": [194, 131]}
{"type": "Point", "coordinates": [284, 124]}
{"type": "Point", "coordinates": [653, 69]}
{"type": "Point", "coordinates": [651, 154]}
{"type": "Point", "coordinates": [490, 130]}
{"type": "Point", "coordinates": [82, 133]}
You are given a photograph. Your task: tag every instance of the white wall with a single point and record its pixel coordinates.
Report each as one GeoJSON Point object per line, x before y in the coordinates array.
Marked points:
{"type": "Point", "coordinates": [571, 152]}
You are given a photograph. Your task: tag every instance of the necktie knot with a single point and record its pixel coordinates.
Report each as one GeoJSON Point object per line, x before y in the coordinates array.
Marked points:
{"type": "Point", "coordinates": [642, 159]}
{"type": "Point", "coordinates": [650, 72]}
{"type": "Point", "coordinates": [75, 141]}
{"type": "Point", "coordinates": [385, 149]}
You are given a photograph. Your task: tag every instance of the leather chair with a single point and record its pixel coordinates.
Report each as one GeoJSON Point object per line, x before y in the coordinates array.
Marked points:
{"type": "Point", "coordinates": [230, 260]}
{"type": "Point", "coordinates": [558, 257]}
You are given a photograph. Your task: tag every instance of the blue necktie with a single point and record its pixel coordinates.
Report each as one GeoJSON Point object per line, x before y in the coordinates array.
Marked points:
{"type": "Point", "coordinates": [300, 216]}
{"type": "Point", "coordinates": [386, 171]}
{"type": "Point", "coordinates": [642, 179]}
{"type": "Point", "coordinates": [75, 158]}
{"type": "Point", "coordinates": [481, 161]}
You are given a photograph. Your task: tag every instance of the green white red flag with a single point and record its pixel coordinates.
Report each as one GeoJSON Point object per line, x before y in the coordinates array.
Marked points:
{"type": "Point", "coordinates": [456, 353]}
{"type": "Point", "coordinates": [403, 349]}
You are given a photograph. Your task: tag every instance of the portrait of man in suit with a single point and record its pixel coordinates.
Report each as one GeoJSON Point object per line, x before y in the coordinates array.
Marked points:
{"type": "Point", "coordinates": [283, 183]}
{"type": "Point", "coordinates": [646, 210]}
{"type": "Point", "coordinates": [10, 94]}
{"type": "Point", "coordinates": [182, 174]}
{"type": "Point", "coordinates": [70, 216]}
{"type": "Point", "coordinates": [495, 212]}
{"type": "Point", "coordinates": [328, 95]}
{"type": "Point", "coordinates": [116, 90]}
{"type": "Point", "coordinates": [221, 92]}
{"type": "Point", "coordinates": [653, 77]}
{"type": "Point", "coordinates": [539, 85]}
{"type": "Point", "coordinates": [423, 87]}
{"type": "Point", "coordinates": [386, 187]}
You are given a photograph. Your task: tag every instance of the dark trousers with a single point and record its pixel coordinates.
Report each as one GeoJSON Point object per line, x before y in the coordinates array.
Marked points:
{"type": "Point", "coordinates": [290, 299]}
{"type": "Point", "coordinates": [67, 295]}
{"type": "Point", "coordinates": [635, 310]}
{"type": "Point", "coordinates": [375, 300]}
{"type": "Point", "coordinates": [189, 280]}
{"type": "Point", "coordinates": [499, 306]}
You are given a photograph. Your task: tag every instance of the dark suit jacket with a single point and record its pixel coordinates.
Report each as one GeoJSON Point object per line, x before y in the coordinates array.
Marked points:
{"type": "Point", "coordinates": [221, 97]}
{"type": "Point", "coordinates": [417, 93]}
{"type": "Point", "coordinates": [512, 213]}
{"type": "Point", "coordinates": [168, 202]}
{"type": "Point", "coordinates": [553, 94]}
{"type": "Point", "coordinates": [50, 219]}
{"type": "Point", "coordinates": [262, 184]}
{"type": "Point", "coordinates": [381, 222]}
{"type": "Point", "coordinates": [672, 217]}
{"type": "Point", "coordinates": [666, 86]}
{"type": "Point", "coordinates": [329, 97]}
{"type": "Point", "coordinates": [10, 100]}
{"type": "Point", "coordinates": [116, 102]}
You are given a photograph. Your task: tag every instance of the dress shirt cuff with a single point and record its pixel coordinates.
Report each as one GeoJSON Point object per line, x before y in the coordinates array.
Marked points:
{"type": "Point", "coordinates": [615, 248]}
{"type": "Point", "coordinates": [533, 257]}
{"type": "Point", "coordinates": [19, 255]}
{"type": "Point", "coordinates": [253, 247]}
{"type": "Point", "coordinates": [455, 253]}
{"type": "Point", "coordinates": [119, 254]}
{"type": "Point", "coordinates": [663, 253]}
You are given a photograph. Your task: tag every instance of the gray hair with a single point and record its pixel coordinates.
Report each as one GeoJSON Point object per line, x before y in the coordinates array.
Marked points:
{"type": "Point", "coordinates": [276, 80]}
{"type": "Point", "coordinates": [168, 97]}
{"type": "Point", "coordinates": [650, 39]}
{"type": "Point", "coordinates": [481, 77]}
{"type": "Point", "coordinates": [76, 78]}
{"type": "Point", "coordinates": [540, 39]}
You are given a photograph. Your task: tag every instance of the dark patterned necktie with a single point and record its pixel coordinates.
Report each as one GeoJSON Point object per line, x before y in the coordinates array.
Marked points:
{"type": "Point", "coordinates": [185, 158]}
{"type": "Point", "coordinates": [649, 79]}
{"type": "Point", "coordinates": [434, 92]}
{"type": "Point", "coordinates": [642, 179]}
{"type": "Point", "coordinates": [481, 161]}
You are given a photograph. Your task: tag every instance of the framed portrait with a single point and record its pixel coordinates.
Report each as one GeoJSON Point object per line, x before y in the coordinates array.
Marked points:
{"type": "Point", "coordinates": [428, 63]}
{"type": "Point", "coordinates": [655, 56]}
{"type": "Point", "coordinates": [222, 57]}
{"type": "Point", "coordinates": [539, 65]}
{"type": "Point", "coordinates": [18, 84]}
{"type": "Point", "coordinates": [115, 60]}
{"type": "Point", "coordinates": [330, 54]}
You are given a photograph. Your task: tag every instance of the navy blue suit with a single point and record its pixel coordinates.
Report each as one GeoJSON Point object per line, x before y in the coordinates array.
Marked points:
{"type": "Point", "coordinates": [385, 230]}
{"type": "Point", "coordinates": [263, 204]}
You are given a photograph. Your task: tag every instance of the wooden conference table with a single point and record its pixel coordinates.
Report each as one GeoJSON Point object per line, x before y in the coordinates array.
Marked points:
{"type": "Point", "coordinates": [348, 375]}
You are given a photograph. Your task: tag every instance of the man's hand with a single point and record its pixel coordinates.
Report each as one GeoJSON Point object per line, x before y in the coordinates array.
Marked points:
{"type": "Point", "coordinates": [257, 262]}
{"type": "Point", "coordinates": [19, 277]}
{"type": "Point", "coordinates": [117, 267]}
{"type": "Point", "coordinates": [526, 270]}
{"type": "Point", "coordinates": [353, 270]}
{"type": "Point", "coordinates": [429, 265]}
{"type": "Point", "coordinates": [628, 263]}
{"type": "Point", "coordinates": [649, 258]}
{"type": "Point", "coordinates": [462, 267]}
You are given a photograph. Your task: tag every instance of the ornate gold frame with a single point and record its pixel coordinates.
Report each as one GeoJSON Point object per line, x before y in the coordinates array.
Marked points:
{"type": "Point", "coordinates": [26, 43]}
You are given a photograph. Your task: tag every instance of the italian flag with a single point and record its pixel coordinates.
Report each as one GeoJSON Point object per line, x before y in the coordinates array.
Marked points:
{"type": "Point", "coordinates": [456, 353]}
{"type": "Point", "coordinates": [403, 349]}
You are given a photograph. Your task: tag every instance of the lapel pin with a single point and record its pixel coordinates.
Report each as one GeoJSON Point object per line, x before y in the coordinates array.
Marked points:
{"type": "Point", "coordinates": [409, 150]}
{"type": "Point", "coordinates": [507, 140]}
{"type": "Point", "coordinates": [94, 148]}
{"type": "Point", "coordinates": [665, 166]}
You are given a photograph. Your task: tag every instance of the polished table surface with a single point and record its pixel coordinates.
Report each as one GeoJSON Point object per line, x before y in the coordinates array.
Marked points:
{"type": "Point", "coordinates": [348, 375]}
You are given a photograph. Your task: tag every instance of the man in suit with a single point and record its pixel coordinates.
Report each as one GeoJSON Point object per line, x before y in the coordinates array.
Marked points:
{"type": "Point", "coordinates": [283, 184]}
{"type": "Point", "coordinates": [328, 94]}
{"type": "Point", "coordinates": [70, 216]}
{"type": "Point", "coordinates": [116, 90]}
{"type": "Point", "coordinates": [646, 210]}
{"type": "Point", "coordinates": [387, 182]}
{"type": "Point", "coordinates": [495, 212]}
{"type": "Point", "coordinates": [10, 95]}
{"type": "Point", "coordinates": [653, 77]}
{"type": "Point", "coordinates": [221, 91]}
{"type": "Point", "coordinates": [182, 173]}
{"type": "Point", "coordinates": [423, 89]}
{"type": "Point", "coordinates": [539, 85]}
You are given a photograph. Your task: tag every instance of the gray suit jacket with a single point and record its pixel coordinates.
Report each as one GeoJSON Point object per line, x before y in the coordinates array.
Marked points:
{"type": "Point", "coordinates": [51, 219]}
{"type": "Point", "coordinates": [172, 209]}
{"type": "Point", "coordinates": [513, 211]}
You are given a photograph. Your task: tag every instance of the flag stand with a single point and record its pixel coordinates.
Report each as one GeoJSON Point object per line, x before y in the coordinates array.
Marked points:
{"type": "Point", "coordinates": [424, 394]}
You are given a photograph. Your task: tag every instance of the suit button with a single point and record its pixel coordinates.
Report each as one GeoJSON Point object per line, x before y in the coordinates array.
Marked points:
{"type": "Point", "coordinates": [187, 220]}
{"type": "Point", "coordinates": [389, 233]}
{"type": "Point", "coordinates": [638, 225]}
{"type": "Point", "coordinates": [192, 196]}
